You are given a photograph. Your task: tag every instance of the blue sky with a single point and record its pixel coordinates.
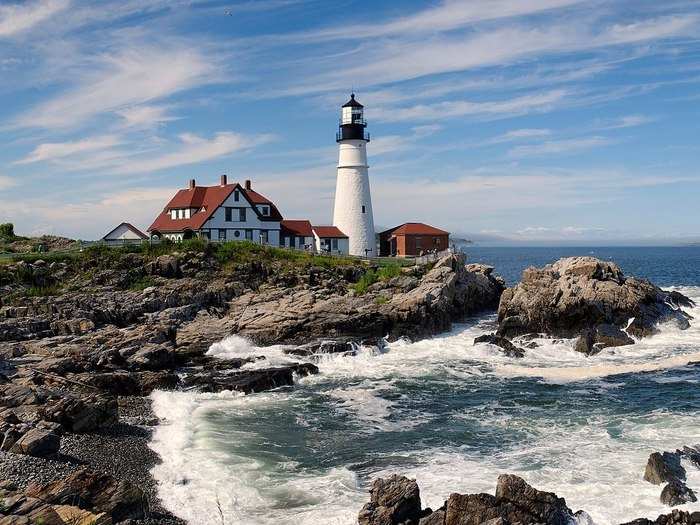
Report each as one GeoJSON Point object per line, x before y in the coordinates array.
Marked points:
{"type": "Point", "coordinates": [526, 120]}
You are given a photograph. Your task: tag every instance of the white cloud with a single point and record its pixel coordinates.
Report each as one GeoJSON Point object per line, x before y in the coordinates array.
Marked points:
{"type": "Point", "coordinates": [447, 16]}
{"type": "Point", "coordinates": [192, 150]}
{"type": "Point", "coordinates": [459, 108]}
{"type": "Point", "coordinates": [145, 116]}
{"type": "Point", "coordinates": [59, 150]}
{"type": "Point", "coordinates": [134, 76]}
{"type": "Point", "coordinates": [17, 18]}
{"type": "Point", "coordinates": [557, 147]}
{"type": "Point", "coordinates": [629, 121]}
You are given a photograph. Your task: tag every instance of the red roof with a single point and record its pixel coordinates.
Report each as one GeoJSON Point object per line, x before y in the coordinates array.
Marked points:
{"type": "Point", "coordinates": [416, 228]}
{"type": "Point", "coordinates": [299, 228]}
{"type": "Point", "coordinates": [206, 200]}
{"type": "Point", "coordinates": [329, 232]}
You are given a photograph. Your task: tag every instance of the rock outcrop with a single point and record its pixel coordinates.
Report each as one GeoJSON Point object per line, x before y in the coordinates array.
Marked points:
{"type": "Point", "coordinates": [666, 468]}
{"type": "Point", "coordinates": [396, 500]}
{"type": "Point", "coordinates": [584, 294]}
{"type": "Point", "coordinates": [504, 344]}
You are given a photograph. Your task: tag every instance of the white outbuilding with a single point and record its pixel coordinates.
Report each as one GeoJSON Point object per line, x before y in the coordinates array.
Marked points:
{"type": "Point", "coordinates": [125, 233]}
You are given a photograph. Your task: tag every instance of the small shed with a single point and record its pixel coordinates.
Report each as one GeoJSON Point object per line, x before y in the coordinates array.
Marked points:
{"type": "Point", "coordinates": [330, 239]}
{"type": "Point", "coordinates": [125, 233]}
{"type": "Point", "coordinates": [412, 239]}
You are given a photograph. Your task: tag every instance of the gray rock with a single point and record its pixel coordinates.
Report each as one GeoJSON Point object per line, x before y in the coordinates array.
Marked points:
{"type": "Point", "coordinates": [504, 344]}
{"type": "Point", "coordinates": [662, 468]}
{"type": "Point", "coordinates": [393, 501]}
{"type": "Point", "coordinates": [677, 493]}
{"type": "Point", "coordinates": [579, 293]}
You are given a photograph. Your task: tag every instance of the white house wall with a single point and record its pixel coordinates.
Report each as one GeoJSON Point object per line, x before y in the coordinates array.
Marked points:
{"type": "Point", "coordinates": [218, 221]}
{"type": "Point", "coordinates": [122, 233]}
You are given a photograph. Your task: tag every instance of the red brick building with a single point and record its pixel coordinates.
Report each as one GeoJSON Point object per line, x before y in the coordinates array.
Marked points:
{"type": "Point", "coordinates": [412, 239]}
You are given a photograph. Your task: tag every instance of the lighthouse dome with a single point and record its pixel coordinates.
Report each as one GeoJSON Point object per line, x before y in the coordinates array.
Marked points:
{"type": "Point", "coordinates": [352, 103]}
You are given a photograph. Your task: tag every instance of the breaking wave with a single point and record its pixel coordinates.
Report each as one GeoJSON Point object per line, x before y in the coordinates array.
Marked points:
{"type": "Point", "coordinates": [451, 414]}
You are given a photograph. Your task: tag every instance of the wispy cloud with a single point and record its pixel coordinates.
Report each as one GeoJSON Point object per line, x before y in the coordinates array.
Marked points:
{"type": "Point", "coordinates": [459, 108]}
{"type": "Point", "coordinates": [447, 16]}
{"type": "Point", "coordinates": [59, 150]}
{"type": "Point", "coordinates": [145, 116]}
{"type": "Point", "coordinates": [194, 149]}
{"type": "Point", "coordinates": [17, 18]}
{"type": "Point", "coordinates": [558, 147]}
{"type": "Point", "coordinates": [134, 76]}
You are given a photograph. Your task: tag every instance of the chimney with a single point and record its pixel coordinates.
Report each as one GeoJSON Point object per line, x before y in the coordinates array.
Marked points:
{"type": "Point", "coordinates": [223, 180]}
{"type": "Point", "coordinates": [248, 185]}
{"type": "Point", "coordinates": [192, 184]}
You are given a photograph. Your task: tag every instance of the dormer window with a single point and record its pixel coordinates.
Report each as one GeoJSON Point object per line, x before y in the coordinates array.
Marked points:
{"type": "Point", "coordinates": [265, 210]}
{"type": "Point", "coordinates": [173, 214]}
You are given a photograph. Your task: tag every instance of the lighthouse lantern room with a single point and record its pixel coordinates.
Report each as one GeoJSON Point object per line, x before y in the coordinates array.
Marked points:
{"type": "Point", "coordinates": [352, 213]}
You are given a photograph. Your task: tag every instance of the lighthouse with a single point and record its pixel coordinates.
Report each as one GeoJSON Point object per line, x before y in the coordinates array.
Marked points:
{"type": "Point", "coordinates": [352, 213]}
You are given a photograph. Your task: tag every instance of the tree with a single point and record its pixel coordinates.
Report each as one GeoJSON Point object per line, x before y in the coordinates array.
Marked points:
{"type": "Point", "coordinates": [7, 231]}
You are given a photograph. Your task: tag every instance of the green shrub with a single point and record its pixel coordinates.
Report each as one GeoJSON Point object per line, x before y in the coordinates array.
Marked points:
{"type": "Point", "coordinates": [389, 271]}
{"type": "Point", "coordinates": [381, 299]}
{"type": "Point", "coordinates": [42, 291]}
{"type": "Point", "coordinates": [368, 279]}
{"type": "Point", "coordinates": [7, 231]}
{"type": "Point", "coordinates": [143, 283]}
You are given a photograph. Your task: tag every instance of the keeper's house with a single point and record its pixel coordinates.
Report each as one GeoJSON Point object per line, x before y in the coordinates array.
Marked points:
{"type": "Point", "coordinates": [412, 239]}
{"type": "Point", "coordinates": [227, 212]}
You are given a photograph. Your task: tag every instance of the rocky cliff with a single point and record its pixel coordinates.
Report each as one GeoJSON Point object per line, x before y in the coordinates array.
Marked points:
{"type": "Point", "coordinates": [78, 337]}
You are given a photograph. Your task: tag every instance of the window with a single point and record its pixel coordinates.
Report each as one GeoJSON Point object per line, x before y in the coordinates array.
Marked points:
{"type": "Point", "coordinates": [263, 236]}
{"type": "Point", "coordinates": [291, 241]}
{"type": "Point", "coordinates": [206, 234]}
{"type": "Point", "coordinates": [436, 241]}
{"type": "Point", "coordinates": [173, 214]}
{"type": "Point", "coordinates": [265, 210]}
{"type": "Point", "coordinates": [236, 234]}
{"type": "Point", "coordinates": [229, 213]}
{"type": "Point", "coordinates": [419, 242]}
{"type": "Point", "coordinates": [249, 235]}
{"type": "Point", "coordinates": [187, 213]}
{"type": "Point", "coordinates": [363, 209]}
{"type": "Point", "coordinates": [180, 214]}
{"type": "Point", "coordinates": [334, 243]}
{"type": "Point", "coordinates": [222, 235]}
{"type": "Point", "coordinates": [241, 214]}
{"type": "Point", "coordinates": [236, 196]}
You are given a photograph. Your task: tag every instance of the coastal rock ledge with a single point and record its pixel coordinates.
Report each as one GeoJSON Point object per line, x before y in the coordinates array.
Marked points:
{"type": "Point", "coordinates": [587, 297]}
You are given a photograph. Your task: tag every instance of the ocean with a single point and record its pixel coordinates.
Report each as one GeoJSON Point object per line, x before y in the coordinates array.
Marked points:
{"type": "Point", "coordinates": [445, 412]}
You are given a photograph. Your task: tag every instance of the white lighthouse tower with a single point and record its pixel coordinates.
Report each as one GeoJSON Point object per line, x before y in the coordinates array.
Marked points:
{"type": "Point", "coordinates": [352, 213]}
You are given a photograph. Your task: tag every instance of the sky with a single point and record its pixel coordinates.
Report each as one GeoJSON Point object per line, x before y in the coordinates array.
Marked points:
{"type": "Point", "coordinates": [536, 121]}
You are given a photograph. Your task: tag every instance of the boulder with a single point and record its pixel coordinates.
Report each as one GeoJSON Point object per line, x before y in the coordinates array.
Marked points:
{"type": "Point", "coordinates": [248, 381]}
{"type": "Point", "coordinates": [37, 442]}
{"type": "Point", "coordinates": [504, 344]}
{"type": "Point", "coordinates": [677, 493]}
{"type": "Point", "coordinates": [153, 357]}
{"type": "Point", "coordinates": [96, 492]}
{"type": "Point", "coordinates": [593, 340]}
{"type": "Point", "coordinates": [393, 501]}
{"type": "Point", "coordinates": [543, 507]}
{"type": "Point", "coordinates": [662, 468]}
{"type": "Point", "coordinates": [82, 414]}
{"type": "Point", "coordinates": [579, 293]}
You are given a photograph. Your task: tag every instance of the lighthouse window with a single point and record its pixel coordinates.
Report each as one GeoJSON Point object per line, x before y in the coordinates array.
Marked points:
{"type": "Point", "coordinates": [363, 209]}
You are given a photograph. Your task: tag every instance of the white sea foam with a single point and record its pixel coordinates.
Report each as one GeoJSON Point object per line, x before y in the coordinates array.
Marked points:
{"type": "Point", "coordinates": [596, 462]}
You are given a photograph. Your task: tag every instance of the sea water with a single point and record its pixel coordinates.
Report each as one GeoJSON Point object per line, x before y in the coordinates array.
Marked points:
{"type": "Point", "coordinates": [445, 412]}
